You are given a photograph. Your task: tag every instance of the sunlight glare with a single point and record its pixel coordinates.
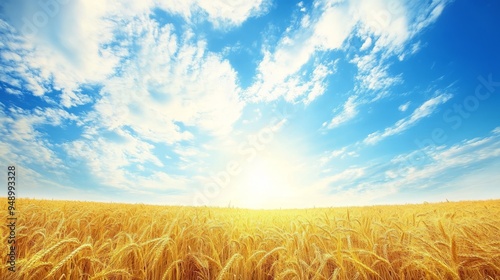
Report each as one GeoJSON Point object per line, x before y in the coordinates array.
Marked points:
{"type": "Point", "coordinates": [264, 184]}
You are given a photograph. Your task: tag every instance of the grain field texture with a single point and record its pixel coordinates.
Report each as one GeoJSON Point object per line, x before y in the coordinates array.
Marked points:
{"type": "Point", "coordinates": [84, 240]}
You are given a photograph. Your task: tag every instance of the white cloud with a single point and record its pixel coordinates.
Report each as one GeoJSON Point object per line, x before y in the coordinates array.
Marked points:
{"type": "Point", "coordinates": [67, 44]}
{"type": "Point", "coordinates": [61, 46]}
{"type": "Point", "coordinates": [395, 23]}
{"type": "Point", "coordinates": [429, 107]}
{"type": "Point", "coordinates": [333, 27]}
{"type": "Point", "coordinates": [341, 153]}
{"type": "Point", "coordinates": [366, 44]}
{"type": "Point", "coordinates": [404, 107]}
{"type": "Point", "coordinates": [301, 6]}
{"type": "Point", "coordinates": [429, 15]}
{"type": "Point", "coordinates": [172, 80]}
{"type": "Point", "coordinates": [349, 112]}
{"type": "Point", "coordinates": [337, 153]}
{"type": "Point", "coordinates": [387, 21]}
{"type": "Point", "coordinates": [221, 13]}
{"type": "Point", "coordinates": [348, 175]}
{"type": "Point", "coordinates": [279, 70]}
{"type": "Point", "coordinates": [232, 12]}
{"type": "Point", "coordinates": [433, 162]}
{"type": "Point", "coordinates": [156, 87]}
{"type": "Point", "coordinates": [443, 170]}
{"type": "Point", "coordinates": [387, 27]}
{"type": "Point", "coordinates": [170, 91]}
{"type": "Point", "coordinates": [73, 47]}
{"type": "Point", "coordinates": [346, 189]}
{"type": "Point", "coordinates": [317, 84]}
{"type": "Point", "coordinates": [373, 73]}
{"type": "Point", "coordinates": [13, 91]}
{"type": "Point", "coordinates": [110, 160]}
{"type": "Point", "coordinates": [24, 143]}
{"type": "Point", "coordinates": [421, 112]}
{"type": "Point", "coordinates": [392, 25]}
{"type": "Point", "coordinates": [35, 184]}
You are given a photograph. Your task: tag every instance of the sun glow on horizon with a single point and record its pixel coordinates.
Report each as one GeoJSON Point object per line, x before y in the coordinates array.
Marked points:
{"type": "Point", "coordinates": [265, 183]}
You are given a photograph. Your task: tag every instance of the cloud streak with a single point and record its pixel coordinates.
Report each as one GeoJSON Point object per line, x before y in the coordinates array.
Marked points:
{"type": "Point", "coordinates": [349, 111]}
{"type": "Point", "coordinates": [425, 110]}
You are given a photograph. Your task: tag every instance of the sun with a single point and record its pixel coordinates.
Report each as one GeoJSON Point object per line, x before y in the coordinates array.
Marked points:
{"type": "Point", "coordinates": [264, 183]}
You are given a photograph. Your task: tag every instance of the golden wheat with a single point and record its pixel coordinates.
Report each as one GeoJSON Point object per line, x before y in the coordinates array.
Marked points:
{"type": "Point", "coordinates": [80, 240]}
{"type": "Point", "coordinates": [66, 259]}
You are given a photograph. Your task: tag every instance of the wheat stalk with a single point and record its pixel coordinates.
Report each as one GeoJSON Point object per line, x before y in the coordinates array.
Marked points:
{"type": "Point", "coordinates": [169, 269]}
{"type": "Point", "coordinates": [277, 249]}
{"type": "Point", "coordinates": [107, 274]}
{"type": "Point", "coordinates": [228, 265]}
{"type": "Point", "coordinates": [41, 254]}
{"type": "Point", "coordinates": [67, 258]}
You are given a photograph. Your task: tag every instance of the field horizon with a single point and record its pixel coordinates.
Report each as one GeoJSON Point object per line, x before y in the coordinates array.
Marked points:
{"type": "Point", "coordinates": [89, 240]}
{"type": "Point", "coordinates": [232, 206]}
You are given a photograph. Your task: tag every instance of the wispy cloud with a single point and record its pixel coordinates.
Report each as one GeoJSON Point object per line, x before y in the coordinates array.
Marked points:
{"type": "Point", "coordinates": [349, 111]}
{"type": "Point", "coordinates": [60, 54]}
{"type": "Point", "coordinates": [112, 161]}
{"type": "Point", "coordinates": [425, 110]}
{"type": "Point", "coordinates": [22, 140]}
{"type": "Point", "coordinates": [279, 71]}
{"type": "Point", "coordinates": [404, 107]}
{"type": "Point", "coordinates": [338, 181]}
{"type": "Point", "coordinates": [233, 13]}
{"type": "Point", "coordinates": [373, 73]}
{"type": "Point", "coordinates": [221, 13]}
{"type": "Point", "coordinates": [386, 29]}
{"type": "Point", "coordinates": [428, 163]}
{"type": "Point", "coordinates": [341, 153]}
{"type": "Point", "coordinates": [430, 168]}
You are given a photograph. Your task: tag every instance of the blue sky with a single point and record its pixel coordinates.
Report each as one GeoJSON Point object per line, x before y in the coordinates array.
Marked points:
{"type": "Point", "coordinates": [260, 104]}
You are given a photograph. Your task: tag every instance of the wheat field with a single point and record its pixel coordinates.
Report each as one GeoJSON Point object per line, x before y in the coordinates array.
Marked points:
{"type": "Point", "coordinates": [83, 240]}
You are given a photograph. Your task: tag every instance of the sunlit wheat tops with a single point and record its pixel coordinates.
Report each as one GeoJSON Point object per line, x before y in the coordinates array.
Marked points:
{"type": "Point", "coordinates": [76, 240]}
